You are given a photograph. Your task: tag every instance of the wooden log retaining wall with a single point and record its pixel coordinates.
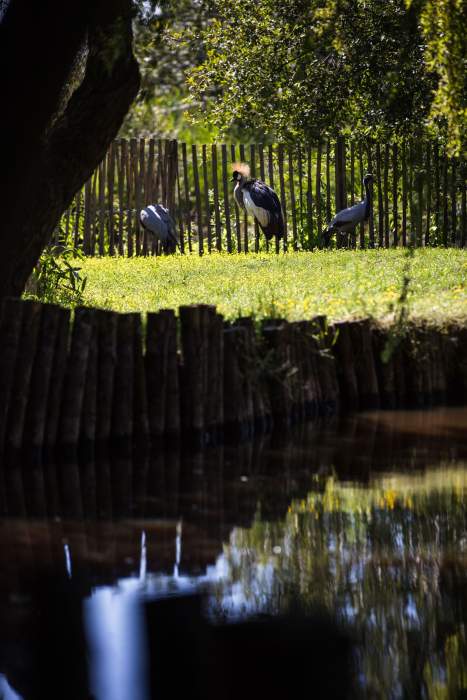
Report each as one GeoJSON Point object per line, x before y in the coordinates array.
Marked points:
{"type": "Point", "coordinates": [419, 196]}
{"type": "Point", "coordinates": [102, 376]}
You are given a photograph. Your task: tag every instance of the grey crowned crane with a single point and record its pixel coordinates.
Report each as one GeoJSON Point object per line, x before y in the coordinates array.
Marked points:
{"type": "Point", "coordinates": [259, 200]}
{"type": "Point", "coordinates": [348, 219]}
{"type": "Point", "coordinates": [156, 220]}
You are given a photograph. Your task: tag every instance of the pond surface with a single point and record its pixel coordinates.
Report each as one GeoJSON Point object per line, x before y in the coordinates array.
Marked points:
{"type": "Point", "coordinates": [366, 517]}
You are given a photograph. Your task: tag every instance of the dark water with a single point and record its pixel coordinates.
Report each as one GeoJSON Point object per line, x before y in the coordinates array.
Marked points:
{"type": "Point", "coordinates": [366, 517]}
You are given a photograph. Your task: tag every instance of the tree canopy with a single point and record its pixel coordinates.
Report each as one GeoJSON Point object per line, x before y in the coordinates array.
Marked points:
{"type": "Point", "coordinates": [305, 67]}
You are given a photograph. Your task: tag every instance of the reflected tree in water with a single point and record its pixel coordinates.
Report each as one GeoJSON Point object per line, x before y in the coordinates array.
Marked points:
{"type": "Point", "coordinates": [390, 559]}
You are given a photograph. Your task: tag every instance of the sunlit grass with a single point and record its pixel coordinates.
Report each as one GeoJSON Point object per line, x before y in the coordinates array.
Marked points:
{"type": "Point", "coordinates": [340, 284]}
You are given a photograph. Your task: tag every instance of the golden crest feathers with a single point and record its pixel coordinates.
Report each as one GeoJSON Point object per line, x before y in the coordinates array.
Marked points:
{"type": "Point", "coordinates": [242, 168]}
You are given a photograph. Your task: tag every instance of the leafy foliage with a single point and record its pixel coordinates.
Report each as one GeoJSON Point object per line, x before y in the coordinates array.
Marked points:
{"type": "Point", "coordinates": [57, 279]}
{"type": "Point", "coordinates": [302, 68]}
{"type": "Point", "coordinates": [444, 24]}
{"type": "Point", "coordinates": [168, 44]}
{"type": "Point", "coordinates": [299, 68]}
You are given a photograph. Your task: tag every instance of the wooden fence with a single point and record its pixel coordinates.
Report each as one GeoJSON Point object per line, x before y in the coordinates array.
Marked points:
{"type": "Point", "coordinates": [103, 376]}
{"type": "Point", "coordinates": [419, 195]}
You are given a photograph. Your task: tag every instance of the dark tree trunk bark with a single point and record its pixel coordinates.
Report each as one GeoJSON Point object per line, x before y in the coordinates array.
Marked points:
{"type": "Point", "coordinates": [47, 152]}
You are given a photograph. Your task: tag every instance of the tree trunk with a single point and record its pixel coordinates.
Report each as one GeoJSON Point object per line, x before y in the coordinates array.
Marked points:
{"type": "Point", "coordinates": [50, 145]}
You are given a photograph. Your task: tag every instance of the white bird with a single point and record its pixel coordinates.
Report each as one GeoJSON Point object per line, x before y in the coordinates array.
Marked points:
{"type": "Point", "coordinates": [156, 220]}
{"type": "Point", "coordinates": [259, 200]}
{"type": "Point", "coordinates": [348, 219]}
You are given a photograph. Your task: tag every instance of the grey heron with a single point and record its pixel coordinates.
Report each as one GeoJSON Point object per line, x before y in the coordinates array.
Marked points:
{"type": "Point", "coordinates": [156, 220]}
{"type": "Point", "coordinates": [259, 200]}
{"type": "Point", "coordinates": [348, 219]}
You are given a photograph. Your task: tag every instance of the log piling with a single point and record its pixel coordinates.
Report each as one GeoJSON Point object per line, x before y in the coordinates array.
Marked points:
{"type": "Point", "coordinates": [197, 379]}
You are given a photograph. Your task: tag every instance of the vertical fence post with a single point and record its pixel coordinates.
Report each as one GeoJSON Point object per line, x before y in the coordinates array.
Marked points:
{"type": "Point", "coordinates": [106, 363]}
{"type": "Point", "coordinates": [172, 173]}
{"type": "Point", "coordinates": [413, 237]}
{"type": "Point", "coordinates": [371, 225]}
{"type": "Point", "coordinates": [76, 232]}
{"type": "Point", "coordinates": [362, 193]}
{"type": "Point", "coordinates": [453, 202]}
{"type": "Point", "coordinates": [309, 197]}
{"type": "Point", "coordinates": [245, 215]}
{"type": "Point", "coordinates": [194, 371]}
{"type": "Point", "coordinates": [102, 181]}
{"type": "Point", "coordinates": [380, 197]}
{"type": "Point", "coordinates": [271, 182]}
{"type": "Point", "coordinates": [428, 193]}
{"type": "Point", "coordinates": [353, 239]}
{"type": "Point", "coordinates": [253, 174]}
{"type": "Point", "coordinates": [133, 235]}
{"type": "Point", "coordinates": [163, 157]}
{"type": "Point", "coordinates": [404, 194]}
{"type": "Point", "coordinates": [262, 175]}
{"type": "Point", "coordinates": [319, 219]}
{"type": "Point", "coordinates": [463, 173]}
{"type": "Point", "coordinates": [140, 399]}
{"type": "Point", "coordinates": [93, 211]}
{"type": "Point", "coordinates": [67, 225]}
{"type": "Point", "coordinates": [141, 196]}
{"type": "Point", "coordinates": [75, 377]}
{"type": "Point", "coordinates": [186, 192]}
{"type": "Point", "coordinates": [280, 157]}
{"type": "Point", "coordinates": [123, 392]}
{"type": "Point", "coordinates": [386, 195]}
{"type": "Point", "coordinates": [328, 181]}
{"type": "Point", "coordinates": [41, 385]}
{"type": "Point", "coordinates": [437, 202]}
{"type": "Point", "coordinates": [215, 187]}
{"type": "Point", "coordinates": [225, 189]}
{"type": "Point", "coordinates": [157, 361]}
{"type": "Point", "coordinates": [340, 174]}
{"type": "Point", "coordinates": [128, 192]}
{"type": "Point", "coordinates": [149, 187]}
{"type": "Point", "coordinates": [445, 201]}
{"type": "Point", "coordinates": [87, 217]}
{"type": "Point", "coordinates": [179, 209]}
{"type": "Point", "coordinates": [237, 211]}
{"type": "Point", "coordinates": [120, 178]}
{"type": "Point", "coordinates": [293, 203]}
{"type": "Point", "coordinates": [57, 380]}
{"type": "Point", "coordinates": [199, 220]}
{"type": "Point", "coordinates": [300, 177]}
{"type": "Point", "coordinates": [110, 196]}
{"type": "Point", "coordinates": [420, 178]}
{"type": "Point", "coordinates": [207, 204]}
{"type": "Point", "coordinates": [395, 180]}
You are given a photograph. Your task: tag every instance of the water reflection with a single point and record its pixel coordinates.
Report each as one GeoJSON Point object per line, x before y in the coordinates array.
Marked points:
{"type": "Point", "coordinates": [367, 517]}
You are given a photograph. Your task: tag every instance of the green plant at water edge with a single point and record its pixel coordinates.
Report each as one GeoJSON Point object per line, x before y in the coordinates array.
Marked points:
{"type": "Point", "coordinates": [57, 278]}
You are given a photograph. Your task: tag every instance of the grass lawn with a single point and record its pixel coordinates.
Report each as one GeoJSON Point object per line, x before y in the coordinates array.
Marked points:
{"type": "Point", "coordinates": [340, 284]}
